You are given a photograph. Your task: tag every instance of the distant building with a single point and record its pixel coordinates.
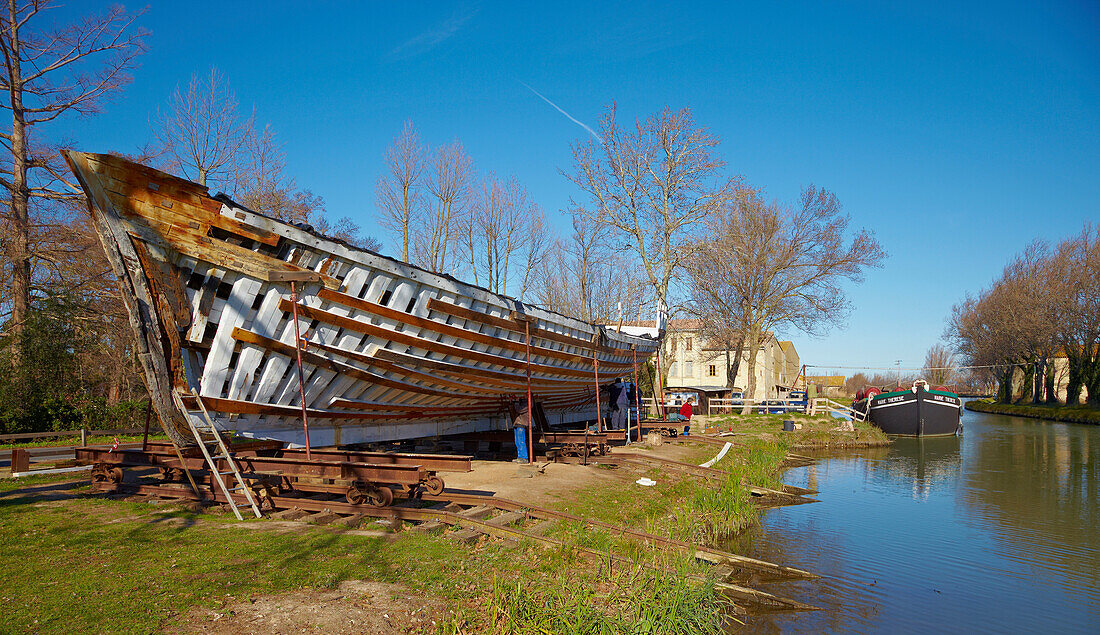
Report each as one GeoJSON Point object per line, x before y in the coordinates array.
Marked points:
{"type": "Point", "coordinates": [831, 386]}
{"type": "Point", "coordinates": [692, 364]}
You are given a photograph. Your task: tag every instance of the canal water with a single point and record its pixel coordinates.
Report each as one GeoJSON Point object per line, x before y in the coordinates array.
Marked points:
{"type": "Point", "coordinates": [994, 531]}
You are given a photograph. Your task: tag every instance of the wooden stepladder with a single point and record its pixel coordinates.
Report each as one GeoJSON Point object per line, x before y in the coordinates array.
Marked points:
{"type": "Point", "coordinates": [210, 438]}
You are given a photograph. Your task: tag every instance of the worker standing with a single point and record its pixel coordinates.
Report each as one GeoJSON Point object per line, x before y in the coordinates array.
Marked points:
{"type": "Point", "coordinates": [685, 414]}
{"type": "Point", "coordinates": [519, 424]}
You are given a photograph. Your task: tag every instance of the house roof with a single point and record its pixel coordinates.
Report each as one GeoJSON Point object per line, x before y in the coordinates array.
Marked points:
{"type": "Point", "coordinates": [826, 380]}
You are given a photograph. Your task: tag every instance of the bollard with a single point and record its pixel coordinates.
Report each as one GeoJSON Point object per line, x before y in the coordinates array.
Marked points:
{"type": "Point", "coordinates": [83, 438]}
{"type": "Point", "coordinates": [20, 460]}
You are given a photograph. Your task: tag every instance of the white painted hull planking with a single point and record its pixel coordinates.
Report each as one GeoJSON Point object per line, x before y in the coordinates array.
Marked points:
{"type": "Point", "coordinates": [390, 351]}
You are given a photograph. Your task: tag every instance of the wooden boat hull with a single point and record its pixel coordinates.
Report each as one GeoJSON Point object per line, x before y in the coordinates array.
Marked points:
{"type": "Point", "coordinates": [916, 412]}
{"type": "Point", "coordinates": [389, 351]}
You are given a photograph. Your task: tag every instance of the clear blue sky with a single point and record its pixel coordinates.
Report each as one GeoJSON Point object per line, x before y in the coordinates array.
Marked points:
{"type": "Point", "coordinates": [958, 133]}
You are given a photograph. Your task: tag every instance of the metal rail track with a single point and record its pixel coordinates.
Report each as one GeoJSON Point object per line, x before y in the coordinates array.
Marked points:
{"type": "Point", "coordinates": [728, 564]}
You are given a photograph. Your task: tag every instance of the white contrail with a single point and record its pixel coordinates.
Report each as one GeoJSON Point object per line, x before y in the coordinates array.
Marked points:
{"type": "Point", "coordinates": [569, 116]}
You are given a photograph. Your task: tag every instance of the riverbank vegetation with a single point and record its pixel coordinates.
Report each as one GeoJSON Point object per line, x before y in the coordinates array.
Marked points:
{"type": "Point", "coordinates": [815, 432]}
{"type": "Point", "coordinates": [1081, 413]}
{"type": "Point", "coordinates": [1037, 327]}
{"type": "Point", "coordinates": [173, 567]}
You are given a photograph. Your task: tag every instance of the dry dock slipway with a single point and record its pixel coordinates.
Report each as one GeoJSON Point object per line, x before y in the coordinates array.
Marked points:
{"type": "Point", "coordinates": [308, 350]}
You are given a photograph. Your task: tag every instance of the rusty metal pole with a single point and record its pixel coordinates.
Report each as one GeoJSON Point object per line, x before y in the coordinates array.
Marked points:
{"type": "Point", "coordinates": [599, 409]}
{"type": "Point", "coordinates": [659, 389]}
{"type": "Point", "coordinates": [530, 408]}
{"type": "Point", "coordinates": [148, 415]}
{"type": "Point", "coordinates": [301, 373]}
{"type": "Point", "coordinates": [637, 398]}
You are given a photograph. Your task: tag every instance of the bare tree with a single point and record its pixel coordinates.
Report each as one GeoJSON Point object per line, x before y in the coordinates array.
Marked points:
{"type": "Point", "coordinates": [496, 230]}
{"type": "Point", "coordinates": [398, 192]}
{"type": "Point", "coordinates": [939, 365]}
{"type": "Point", "coordinates": [1045, 302]}
{"type": "Point", "coordinates": [1010, 325]}
{"type": "Point", "coordinates": [538, 245]}
{"type": "Point", "coordinates": [778, 267]}
{"type": "Point", "coordinates": [202, 130]}
{"type": "Point", "coordinates": [208, 141]}
{"type": "Point", "coordinates": [653, 183]}
{"type": "Point", "coordinates": [720, 307]}
{"type": "Point", "coordinates": [51, 70]}
{"type": "Point", "coordinates": [586, 279]}
{"type": "Point", "coordinates": [449, 181]}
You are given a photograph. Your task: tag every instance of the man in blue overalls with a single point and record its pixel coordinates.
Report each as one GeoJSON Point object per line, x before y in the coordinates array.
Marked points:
{"type": "Point", "coordinates": [520, 426]}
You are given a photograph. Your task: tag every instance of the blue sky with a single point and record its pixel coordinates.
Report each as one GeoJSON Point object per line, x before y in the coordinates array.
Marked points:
{"type": "Point", "coordinates": [958, 132]}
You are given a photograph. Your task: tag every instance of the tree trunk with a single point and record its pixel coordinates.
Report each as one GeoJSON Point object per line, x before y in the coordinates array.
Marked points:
{"type": "Point", "coordinates": [1004, 390]}
{"type": "Point", "coordinates": [732, 367]}
{"type": "Point", "coordinates": [1075, 382]}
{"type": "Point", "coordinates": [20, 196]}
{"type": "Point", "coordinates": [1052, 386]}
{"type": "Point", "coordinates": [750, 389]}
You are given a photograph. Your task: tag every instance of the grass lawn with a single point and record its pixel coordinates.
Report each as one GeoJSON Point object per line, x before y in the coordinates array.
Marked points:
{"type": "Point", "coordinates": [95, 565]}
{"type": "Point", "coordinates": [76, 563]}
{"type": "Point", "coordinates": [818, 432]}
{"type": "Point", "coordinates": [75, 440]}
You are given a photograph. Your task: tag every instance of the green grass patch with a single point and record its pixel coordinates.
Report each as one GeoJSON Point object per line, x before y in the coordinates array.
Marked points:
{"type": "Point", "coordinates": [818, 431]}
{"type": "Point", "coordinates": [1054, 412]}
{"type": "Point", "coordinates": [10, 484]}
{"type": "Point", "coordinates": [636, 602]}
{"type": "Point", "coordinates": [96, 565]}
{"type": "Point", "coordinates": [75, 440]}
{"type": "Point", "coordinates": [685, 507]}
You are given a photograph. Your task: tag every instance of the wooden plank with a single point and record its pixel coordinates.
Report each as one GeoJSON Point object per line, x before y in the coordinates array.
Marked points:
{"type": "Point", "coordinates": [449, 308]}
{"type": "Point", "coordinates": [385, 334]}
{"type": "Point", "coordinates": [486, 375]}
{"type": "Point", "coordinates": [242, 335]}
{"type": "Point", "coordinates": [459, 333]}
{"type": "Point", "coordinates": [371, 361]}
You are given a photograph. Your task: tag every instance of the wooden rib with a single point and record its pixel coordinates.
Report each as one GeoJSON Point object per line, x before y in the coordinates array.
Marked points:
{"type": "Point", "coordinates": [454, 331]}
{"type": "Point", "coordinates": [351, 404]}
{"type": "Point", "coordinates": [249, 337]}
{"type": "Point", "coordinates": [234, 406]}
{"type": "Point", "coordinates": [411, 372]}
{"type": "Point", "coordinates": [449, 308]}
{"type": "Point", "coordinates": [419, 342]}
{"type": "Point", "coordinates": [494, 377]}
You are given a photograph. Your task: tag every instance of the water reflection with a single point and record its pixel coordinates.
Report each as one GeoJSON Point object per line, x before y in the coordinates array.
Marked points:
{"type": "Point", "coordinates": [994, 531]}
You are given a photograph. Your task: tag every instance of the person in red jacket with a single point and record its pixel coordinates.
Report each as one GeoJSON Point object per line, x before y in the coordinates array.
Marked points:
{"type": "Point", "coordinates": [685, 415]}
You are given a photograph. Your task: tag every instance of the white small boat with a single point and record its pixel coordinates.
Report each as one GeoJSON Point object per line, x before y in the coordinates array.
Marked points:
{"type": "Point", "coordinates": [389, 351]}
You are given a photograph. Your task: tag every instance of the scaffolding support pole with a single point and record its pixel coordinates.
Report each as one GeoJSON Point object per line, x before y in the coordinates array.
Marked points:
{"type": "Point", "coordinates": [301, 372]}
{"type": "Point", "coordinates": [530, 407]}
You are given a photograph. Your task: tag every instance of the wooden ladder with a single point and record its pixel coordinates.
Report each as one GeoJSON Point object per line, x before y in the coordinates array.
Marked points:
{"type": "Point", "coordinates": [209, 437]}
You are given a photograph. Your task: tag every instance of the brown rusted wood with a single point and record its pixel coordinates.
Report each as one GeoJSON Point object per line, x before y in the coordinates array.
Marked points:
{"type": "Point", "coordinates": [124, 263]}
{"type": "Point", "coordinates": [447, 329]}
{"type": "Point", "coordinates": [248, 337]}
{"type": "Point", "coordinates": [435, 379]}
{"type": "Point", "coordinates": [293, 276]}
{"type": "Point", "coordinates": [514, 324]}
{"type": "Point", "coordinates": [437, 347]}
{"type": "Point", "coordinates": [484, 375]}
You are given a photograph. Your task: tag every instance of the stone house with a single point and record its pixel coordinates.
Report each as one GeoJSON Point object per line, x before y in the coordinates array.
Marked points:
{"type": "Point", "coordinates": [692, 364]}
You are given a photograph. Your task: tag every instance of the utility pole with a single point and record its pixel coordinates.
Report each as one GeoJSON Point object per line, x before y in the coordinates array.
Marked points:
{"type": "Point", "coordinates": [899, 373]}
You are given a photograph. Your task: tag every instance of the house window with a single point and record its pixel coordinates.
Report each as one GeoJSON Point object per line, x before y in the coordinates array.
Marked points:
{"type": "Point", "coordinates": [687, 344]}
{"type": "Point", "coordinates": [688, 370]}
{"type": "Point", "coordinates": [673, 367]}
{"type": "Point", "coordinates": [712, 371]}
{"type": "Point", "coordinates": [673, 341]}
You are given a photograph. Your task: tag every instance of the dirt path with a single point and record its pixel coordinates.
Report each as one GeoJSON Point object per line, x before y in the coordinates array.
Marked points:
{"type": "Point", "coordinates": [356, 606]}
